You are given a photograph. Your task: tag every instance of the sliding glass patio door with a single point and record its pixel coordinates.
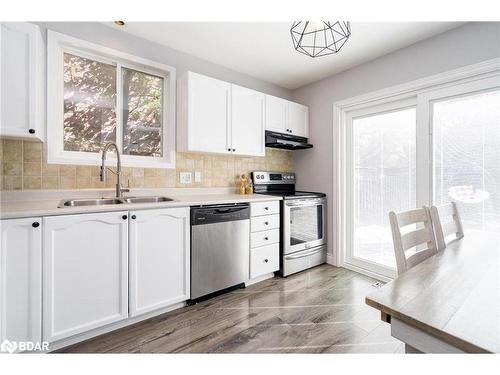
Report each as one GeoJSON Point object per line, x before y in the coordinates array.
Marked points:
{"type": "Point", "coordinates": [438, 146]}
{"type": "Point", "coordinates": [466, 152]}
{"type": "Point", "coordinates": [382, 174]}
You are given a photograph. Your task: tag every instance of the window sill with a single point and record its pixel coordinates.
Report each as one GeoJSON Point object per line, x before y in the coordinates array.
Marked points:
{"type": "Point", "coordinates": [127, 161]}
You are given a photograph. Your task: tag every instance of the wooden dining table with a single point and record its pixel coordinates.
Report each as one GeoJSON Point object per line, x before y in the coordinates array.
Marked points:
{"type": "Point", "coordinates": [449, 303]}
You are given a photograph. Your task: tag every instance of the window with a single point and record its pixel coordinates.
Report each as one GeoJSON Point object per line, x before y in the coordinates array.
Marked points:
{"type": "Point", "coordinates": [98, 95]}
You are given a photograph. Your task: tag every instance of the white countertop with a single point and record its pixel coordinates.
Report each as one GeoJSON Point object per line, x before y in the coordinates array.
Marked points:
{"type": "Point", "coordinates": [37, 206]}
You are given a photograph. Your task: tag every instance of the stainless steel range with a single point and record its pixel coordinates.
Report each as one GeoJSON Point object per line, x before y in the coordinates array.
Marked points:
{"type": "Point", "coordinates": [303, 213]}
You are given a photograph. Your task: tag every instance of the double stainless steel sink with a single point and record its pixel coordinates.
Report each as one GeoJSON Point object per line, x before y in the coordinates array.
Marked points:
{"type": "Point", "coordinates": [108, 201]}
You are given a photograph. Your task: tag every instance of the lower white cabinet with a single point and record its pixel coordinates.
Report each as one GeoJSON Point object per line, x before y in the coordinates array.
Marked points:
{"type": "Point", "coordinates": [20, 280]}
{"type": "Point", "coordinates": [264, 238]}
{"type": "Point", "coordinates": [159, 258]}
{"type": "Point", "coordinates": [85, 272]}
{"type": "Point", "coordinates": [264, 259]}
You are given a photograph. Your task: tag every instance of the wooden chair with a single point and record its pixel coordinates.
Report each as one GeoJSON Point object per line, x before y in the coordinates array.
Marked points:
{"type": "Point", "coordinates": [423, 235]}
{"type": "Point", "coordinates": [446, 221]}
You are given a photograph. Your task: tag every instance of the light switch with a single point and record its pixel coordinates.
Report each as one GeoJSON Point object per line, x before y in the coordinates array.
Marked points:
{"type": "Point", "coordinates": [197, 176]}
{"type": "Point", "coordinates": [185, 177]}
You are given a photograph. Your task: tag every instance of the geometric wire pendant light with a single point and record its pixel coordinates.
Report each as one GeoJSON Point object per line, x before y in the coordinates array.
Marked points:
{"type": "Point", "coordinates": [320, 38]}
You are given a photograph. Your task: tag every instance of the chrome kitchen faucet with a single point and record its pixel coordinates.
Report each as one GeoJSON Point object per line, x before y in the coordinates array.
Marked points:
{"type": "Point", "coordinates": [119, 189]}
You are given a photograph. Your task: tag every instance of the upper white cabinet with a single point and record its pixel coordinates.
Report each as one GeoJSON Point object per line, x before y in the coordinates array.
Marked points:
{"type": "Point", "coordinates": [85, 272]}
{"type": "Point", "coordinates": [298, 119]}
{"type": "Point", "coordinates": [284, 116]}
{"type": "Point", "coordinates": [159, 258]}
{"type": "Point", "coordinates": [219, 117]}
{"type": "Point", "coordinates": [247, 120]}
{"type": "Point", "coordinates": [276, 109]}
{"type": "Point", "coordinates": [203, 114]}
{"type": "Point", "coordinates": [20, 280]}
{"type": "Point", "coordinates": [21, 80]}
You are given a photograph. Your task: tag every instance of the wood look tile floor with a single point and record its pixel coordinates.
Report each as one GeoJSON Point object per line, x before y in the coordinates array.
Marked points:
{"type": "Point", "coordinates": [321, 310]}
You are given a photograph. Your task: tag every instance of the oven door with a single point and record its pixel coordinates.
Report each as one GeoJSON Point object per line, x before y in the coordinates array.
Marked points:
{"type": "Point", "coordinates": [304, 224]}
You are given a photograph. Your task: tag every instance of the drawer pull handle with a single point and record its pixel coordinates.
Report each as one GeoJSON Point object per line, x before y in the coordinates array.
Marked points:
{"type": "Point", "coordinates": [36, 224]}
{"type": "Point", "coordinates": [266, 260]}
{"type": "Point", "coordinates": [266, 223]}
{"type": "Point", "coordinates": [266, 208]}
{"type": "Point", "coordinates": [266, 238]}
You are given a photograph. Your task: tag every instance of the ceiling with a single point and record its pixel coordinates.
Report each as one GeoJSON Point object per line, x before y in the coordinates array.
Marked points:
{"type": "Point", "coordinates": [265, 50]}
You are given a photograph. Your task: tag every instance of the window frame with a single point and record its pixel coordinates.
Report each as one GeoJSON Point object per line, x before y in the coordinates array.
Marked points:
{"type": "Point", "coordinates": [57, 45]}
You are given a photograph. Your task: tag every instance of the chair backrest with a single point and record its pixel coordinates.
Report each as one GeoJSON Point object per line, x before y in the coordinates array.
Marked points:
{"type": "Point", "coordinates": [413, 239]}
{"type": "Point", "coordinates": [446, 221]}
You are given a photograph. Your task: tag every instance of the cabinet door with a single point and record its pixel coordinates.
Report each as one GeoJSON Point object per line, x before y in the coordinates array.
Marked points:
{"type": "Point", "coordinates": [208, 114]}
{"type": "Point", "coordinates": [85, 274]}
{"type": "Point", "coordinates": [21, 80]}
{"type": "Point", "coordinates": [298, 119]}
{"type": "Point", "coordinates": [159, 258]}
{"type": "Point", "coordinates": [247, 121]}
{"type": "Point", "coordinates": [276, 114]}
{"type": "Point", "coordinates": [20, 280]}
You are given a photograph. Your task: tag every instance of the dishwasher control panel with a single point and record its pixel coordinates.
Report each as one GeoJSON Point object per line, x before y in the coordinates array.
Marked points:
{"type": "Point", "coordinates": [219, 213]}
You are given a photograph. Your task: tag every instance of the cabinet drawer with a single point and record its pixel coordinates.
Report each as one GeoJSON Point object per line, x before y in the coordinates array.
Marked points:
{"type": "Point", "coordinates": [265, 208]}
{"type": "Point", "coordinates": [267, 222]}
{"type": "Point", "coordinates": [264, 260]}
{"type": "Point", "coordinates": [263, 238]}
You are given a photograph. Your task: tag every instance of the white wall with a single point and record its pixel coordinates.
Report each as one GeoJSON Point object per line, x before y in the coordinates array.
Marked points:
{"type": "Point", "coordinates": [118, 39]}
{"type": "Point", "coordinates": [465, 45]}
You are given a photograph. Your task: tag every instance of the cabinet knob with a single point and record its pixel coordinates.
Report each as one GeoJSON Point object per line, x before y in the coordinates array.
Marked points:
{"type": "Point", "coordinates": [234, 149]}
{"type": "Point", "coordinates": [31, 131]}
{"type": "Point", "coordinates": [266, 260]}
{"type": "Point", "coordinates": [124, 217]}
{"type": "Point", "coordinates": [266, 208]}
{"type": "Point", "coordinates": [36, 224]}
{"type": "Point", "coordinates": [266, 238]}
{"type": "Point", "coordinates": [266, 223]}
{"type": "Point", "coordinates": [133, 217]}
{"type": "Point", "coordinates": [229, 149]}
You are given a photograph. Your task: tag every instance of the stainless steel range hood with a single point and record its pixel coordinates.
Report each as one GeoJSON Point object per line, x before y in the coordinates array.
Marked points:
{"type": "Point", "coordinates": [286, 141]}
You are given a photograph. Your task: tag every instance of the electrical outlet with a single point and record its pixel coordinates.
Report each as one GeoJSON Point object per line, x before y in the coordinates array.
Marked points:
{"type": "Point", "coordinates": [185, 177]}
{"type": "Point", "coordinates": [197, 176]}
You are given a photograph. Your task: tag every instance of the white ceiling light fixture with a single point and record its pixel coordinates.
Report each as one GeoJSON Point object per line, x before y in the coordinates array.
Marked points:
{"type": "Point", "coordinates": [320, 38]}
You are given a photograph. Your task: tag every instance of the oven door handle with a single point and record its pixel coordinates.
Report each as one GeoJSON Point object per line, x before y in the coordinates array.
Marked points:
{"type": "Point", "coordinates": [317, 202]}
{"type": "Point", "coordinates": [303, 255]}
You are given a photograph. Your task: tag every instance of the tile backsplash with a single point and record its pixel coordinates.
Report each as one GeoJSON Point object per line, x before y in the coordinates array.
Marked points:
{"type": "Point", "coordinates": [24, 166]}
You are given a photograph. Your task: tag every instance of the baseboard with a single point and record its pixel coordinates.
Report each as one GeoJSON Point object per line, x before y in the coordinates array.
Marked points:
{"type": "Point", "coordinates": [100, 331]}
{"type": "Point", "coordinates": [259, 279]}
{"type": "Point", "coordinates": [330, 259]}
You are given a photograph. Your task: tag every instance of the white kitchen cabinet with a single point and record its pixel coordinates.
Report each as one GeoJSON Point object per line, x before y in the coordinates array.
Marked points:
{"type": "Point", "coordinates": [276, 109]}
{"type": "Point", "coordinates": [298, 119]}
{"type": "Point", "coordinates": [159, 258]}
{"type": "Point", "coordinates": [22, 69]}
{"type": "Point", "coordinates": [284, 116]}
{"type": "Point", "coordinates": [203, 114]}
{"type": "Point", "coordinates": [264, 238]}
{"type": "Point", "coordinates": [247, 121]}
{"type": "Point", "coordinates": [21, 280]}
{"type": "Point", "coordinates": [219, 117]}
{"type": "Point", "coordinates": [85, 272]}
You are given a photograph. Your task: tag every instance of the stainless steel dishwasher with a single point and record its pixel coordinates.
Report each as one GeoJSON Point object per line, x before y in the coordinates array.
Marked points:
{"type": "Point", "coordinates": [220, 242]}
